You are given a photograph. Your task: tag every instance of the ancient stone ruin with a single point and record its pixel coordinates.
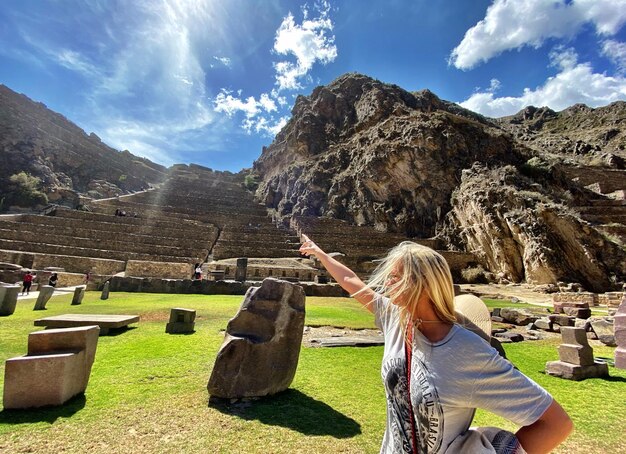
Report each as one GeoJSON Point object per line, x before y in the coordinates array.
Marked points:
{"type": "Point", "coordinates": [261, 348]}
{"type": "Point", "coordinates": [45, 293]}
{"type": "Point", "coordinates": [8, 298]}
{"type": "Point", "coordinates": [79, 294]}
{"type": "Point", "coordinates": [56, 368]}
{"type": "Point", "coordinates": [576, 360]}
{"type": "Point", "coordinates": [181, 321]}
{"type": "Point", "coordinates": [620, 335]}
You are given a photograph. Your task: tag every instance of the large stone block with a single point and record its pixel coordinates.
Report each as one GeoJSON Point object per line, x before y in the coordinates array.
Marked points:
{"type": "Point", "coordinates": [517, 316]}
{"type": "Point", "coordinates": [260, 352]}
{"type": "Point", "coordinates": [8, 298]}
{"type": "Point", "coordinates": [181, 321]}
{"type": "Point", "coordinates": [45, 293]}
{"type": "Point", "coordinates": [56, 368]}
{"type": "Point", "coordinates": [576, 372]}
{"type": "Point", "coordinates": [79, 293]}
{"type": "Point", "coordinates": [575, 348]}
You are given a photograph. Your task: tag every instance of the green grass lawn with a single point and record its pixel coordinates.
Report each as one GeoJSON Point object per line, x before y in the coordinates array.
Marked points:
{"type": "Point", "coordinates": [147, 391]}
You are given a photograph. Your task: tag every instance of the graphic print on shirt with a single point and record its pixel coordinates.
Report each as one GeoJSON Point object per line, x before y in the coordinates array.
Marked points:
{"type": "Point", "coordinates": [427, 407]}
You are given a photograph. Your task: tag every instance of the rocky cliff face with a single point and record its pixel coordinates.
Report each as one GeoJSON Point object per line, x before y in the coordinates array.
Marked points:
{"type": "Point", "coordinates": [374, 154]}
{"type": "Point", "coordinates": [66, 160]}
{"type": "Point", "coordinates": [507, 190]}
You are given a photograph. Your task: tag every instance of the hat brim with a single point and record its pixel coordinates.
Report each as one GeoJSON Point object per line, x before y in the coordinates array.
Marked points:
{"type": "Point", "coordinates": [472, 314]}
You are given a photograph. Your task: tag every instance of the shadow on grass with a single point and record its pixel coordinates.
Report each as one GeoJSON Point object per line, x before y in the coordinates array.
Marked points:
{"type": "Point", "coordinates": [294, 410]}
{"type": "Point", "coordinates": [44, 414]}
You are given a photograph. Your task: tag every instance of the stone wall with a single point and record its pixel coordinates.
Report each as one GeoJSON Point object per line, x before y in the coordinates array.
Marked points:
{"type": "Point", "coordinates": [611, 299]}
{"type": "Point", "coordinates": [165, 270]}
{"type": "Point", "coordinates": [188, 286]}
{"type": "Point", "coordinates": [582, 297]}
{"type": "Point", "coordinates": [78, 264]}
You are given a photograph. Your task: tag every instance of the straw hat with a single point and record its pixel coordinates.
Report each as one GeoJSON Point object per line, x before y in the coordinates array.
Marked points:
{"type": "Point", "coordinates": [472, 314]}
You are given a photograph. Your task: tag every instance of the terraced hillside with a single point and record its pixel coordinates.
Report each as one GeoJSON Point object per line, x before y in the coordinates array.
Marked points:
{"type": "Point", "coordinates": [197, 215]}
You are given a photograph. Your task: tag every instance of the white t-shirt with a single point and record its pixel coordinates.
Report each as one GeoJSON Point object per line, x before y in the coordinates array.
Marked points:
{"type": "Point", "coordinates": [449, 380]}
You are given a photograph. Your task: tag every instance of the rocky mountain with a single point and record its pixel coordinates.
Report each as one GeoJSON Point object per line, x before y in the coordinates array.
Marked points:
{"type": "Point", "coordinates": [529, 194]}
{"type": "Point", "coordinates": [42, 152]}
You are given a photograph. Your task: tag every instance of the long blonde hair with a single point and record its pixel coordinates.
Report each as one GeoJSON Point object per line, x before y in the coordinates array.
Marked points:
{"type": "Point", "coordinates": [419, 269]}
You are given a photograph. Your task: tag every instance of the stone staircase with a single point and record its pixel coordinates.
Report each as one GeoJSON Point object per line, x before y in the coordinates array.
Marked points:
{"type": "Point", "coordinates": [606, 208]}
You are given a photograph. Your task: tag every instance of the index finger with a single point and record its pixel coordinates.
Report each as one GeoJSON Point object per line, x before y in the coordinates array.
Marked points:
{"type": "Point", "coordinates": [305, 238]}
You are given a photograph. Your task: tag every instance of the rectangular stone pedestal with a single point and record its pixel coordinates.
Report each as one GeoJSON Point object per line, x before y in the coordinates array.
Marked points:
{"type": "Point", "coordinates": [181, 321]}
{"type": "Point", "coordinates": [576, 372]}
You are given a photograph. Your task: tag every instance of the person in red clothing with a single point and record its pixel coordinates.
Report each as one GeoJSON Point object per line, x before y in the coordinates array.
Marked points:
{"type": "Point", "coordinates": [27, 282]}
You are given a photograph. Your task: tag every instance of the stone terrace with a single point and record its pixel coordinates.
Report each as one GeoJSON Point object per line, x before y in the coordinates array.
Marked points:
{"type": "Point", "coordinates": [361, 245]}
{"type": "Point", "coordinates": [607, 210]}
{"type": "Point", "coordinates": [198, 215]}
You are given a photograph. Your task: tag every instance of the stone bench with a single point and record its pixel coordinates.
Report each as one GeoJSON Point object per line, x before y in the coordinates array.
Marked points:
{"type": "Point", "coordinates": [105, 322]}
{"type": "Point", "coordinates": [56, 368]}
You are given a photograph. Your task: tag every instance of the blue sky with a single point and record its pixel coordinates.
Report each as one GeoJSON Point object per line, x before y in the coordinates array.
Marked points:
{"type": "Point", "coordinates": [211, 82]}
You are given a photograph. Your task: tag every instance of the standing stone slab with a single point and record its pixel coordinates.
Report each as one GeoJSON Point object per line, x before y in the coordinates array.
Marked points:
{"type": "Point", "coordinates": [181, 321]}
{"type": "Point", "coordinates": [260, 352]}
{"type": "Point", "coordinates": [620, 335]}
{"type": "Point", "coordinates": [8, 299]}
{"type": "Point", "coordinates": [79, 293]}
{"type": "Point", "coordinates": [242, 269]}
{"type": "Point", "coordinates": [105, 291]}
{"type": "Point", "coordinates": [45, 292]}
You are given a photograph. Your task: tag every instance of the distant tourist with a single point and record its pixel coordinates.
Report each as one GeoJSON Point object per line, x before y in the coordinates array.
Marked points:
{"type": "Point", "coordinates": [117, 212]}
{"type": "Point", "coordinates": [87, 277]}
{"type": "Point", "coordinates": [197, 271]}
{"type": "Point", "coordinates": [53, 280]}
{"type": "Point", "coordinates": [27, 282]}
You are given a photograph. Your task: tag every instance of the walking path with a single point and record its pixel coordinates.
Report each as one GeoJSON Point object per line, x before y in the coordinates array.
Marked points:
{"type": "Point", "coordinates": [57, 292]}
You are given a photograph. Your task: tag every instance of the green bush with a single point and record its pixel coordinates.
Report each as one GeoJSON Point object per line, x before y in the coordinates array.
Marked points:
{"type": "Point", "coordinates": [251, 182]}
{"type": "Point", "coordinates": [24, 190]}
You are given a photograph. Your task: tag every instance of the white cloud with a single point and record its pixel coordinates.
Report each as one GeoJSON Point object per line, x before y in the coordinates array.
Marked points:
{"type": "Point", "coordinates": [223, 60]}
{"type": "Point", "coordinates": [512, 24]}
{"type": "Point", "coordinates": [227, 103]}
{"type": "Point", "coordinates": [307, 42]}
{"type": "Point", "coordinates": [76, 62]}
{"type": "Point", "coordinates": [575, 83]}
{"type": "Point", "coordinates": [269, 127]}
{"type": "Point", "coordinates": [616, 52]}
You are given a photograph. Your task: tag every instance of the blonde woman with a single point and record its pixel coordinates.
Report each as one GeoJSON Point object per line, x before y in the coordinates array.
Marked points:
{"type": "Point", "coordinates": [452, 370]}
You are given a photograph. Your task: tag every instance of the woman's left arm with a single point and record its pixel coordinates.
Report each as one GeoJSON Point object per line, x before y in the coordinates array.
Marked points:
{"type": "Point", "coordinates": [545, 434]}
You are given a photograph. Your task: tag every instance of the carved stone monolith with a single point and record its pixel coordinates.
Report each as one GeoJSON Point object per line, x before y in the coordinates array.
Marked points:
{"type": "Point", "coordinates": [79, 293]}
{"type": "Point", "coordinates": [105, 291]}
{"type": "Point", "coordinates": [8, 298]}
{"type": "Point", "coordinates": [261, 348]}
{"type": "Point", "coordinates": [45, 293]}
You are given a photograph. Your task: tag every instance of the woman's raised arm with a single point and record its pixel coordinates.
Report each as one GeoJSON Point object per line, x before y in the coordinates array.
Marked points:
{"type": "Point", "coordinates": [344, 276]}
